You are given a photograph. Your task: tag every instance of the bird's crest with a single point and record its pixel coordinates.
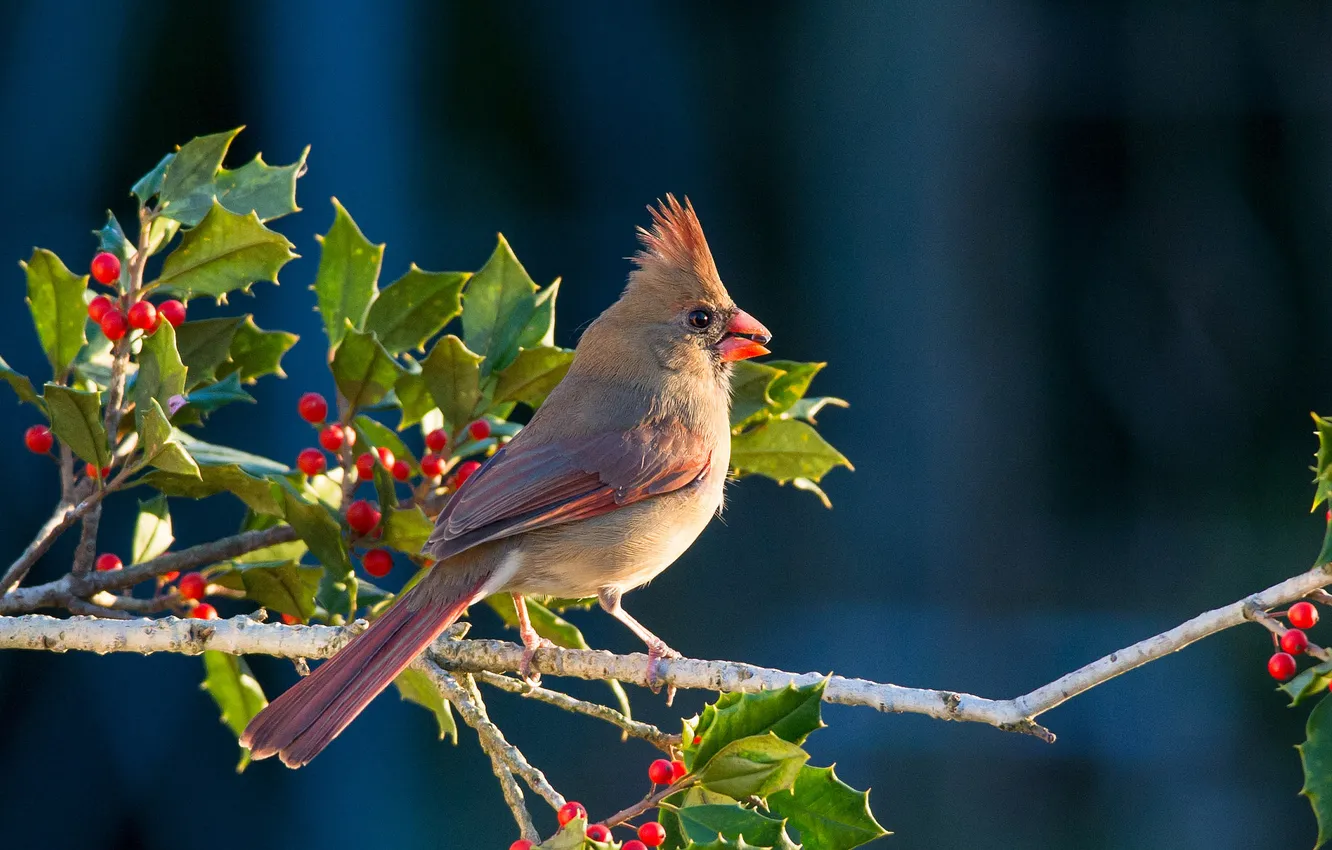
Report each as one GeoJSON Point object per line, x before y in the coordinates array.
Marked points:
{"type": "Point", "coordinates": [676, 243]}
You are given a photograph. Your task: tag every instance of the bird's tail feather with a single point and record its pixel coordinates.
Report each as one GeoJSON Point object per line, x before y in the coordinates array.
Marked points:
{"type": "Point", "coordinates": [299, 724]}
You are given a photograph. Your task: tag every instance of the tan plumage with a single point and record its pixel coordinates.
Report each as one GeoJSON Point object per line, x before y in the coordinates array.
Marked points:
{"type": "Point", "coordinates": [613, 478]}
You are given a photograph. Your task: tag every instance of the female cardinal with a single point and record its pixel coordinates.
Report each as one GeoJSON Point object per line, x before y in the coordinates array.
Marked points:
{"type": "Point", "coordinates": [614, 477]}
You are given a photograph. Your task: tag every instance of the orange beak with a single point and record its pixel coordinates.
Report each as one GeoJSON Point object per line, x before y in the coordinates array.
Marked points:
{"type": "Point", "coordinates": [745, 337]}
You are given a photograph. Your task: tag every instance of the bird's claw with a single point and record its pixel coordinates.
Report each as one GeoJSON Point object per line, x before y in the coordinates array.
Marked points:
{"type": "Point", "coordinates": [529, 652]}
{"type": "Point", "coordinates": [656, 651]}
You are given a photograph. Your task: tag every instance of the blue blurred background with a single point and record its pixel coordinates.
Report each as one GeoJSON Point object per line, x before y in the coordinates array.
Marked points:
{"type": "Point", "coordinates": [1069, 263]}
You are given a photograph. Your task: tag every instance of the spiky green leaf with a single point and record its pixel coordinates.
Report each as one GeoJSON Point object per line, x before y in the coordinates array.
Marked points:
{"type": "Point", "coordinates": [204, 345]}
{"type": "Point", "coordinates": [255, 352]}
{"type": "Point", "coordinates": [225, 252]}
{"type": "Point", "coordinates": [826, 811]}
{"type": "Point", "coordinates": [452, 374]}
{"type": "Point", "coordinates": [532, 375]}
{"type": "Point", "coordinates": [158, 443]}
{"type": "Point", "coordinates": [76, 421]}
{"type": "Point", "coordinates": [415, 307]}
{"type": "Point", "coordinates": [347, 276]}
{"type": "Point", "coordinates": [499, 305]}
{"type": "Point", "coordinates": [756, 766]}
{"type": "Point", "coordinates": [55, 299]}
{"type": "Point", "coordinates": [363, 370]}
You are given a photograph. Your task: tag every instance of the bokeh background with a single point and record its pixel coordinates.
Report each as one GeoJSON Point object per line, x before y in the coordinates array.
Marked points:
{"type": "Point", "coordinates": [1069, 262]}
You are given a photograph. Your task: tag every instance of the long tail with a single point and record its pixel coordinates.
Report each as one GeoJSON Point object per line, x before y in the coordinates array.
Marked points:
{"type": "Point", "coordinates": [299, 724]}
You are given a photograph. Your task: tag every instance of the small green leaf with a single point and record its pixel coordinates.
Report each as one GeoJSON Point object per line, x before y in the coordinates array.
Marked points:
{"type": "Point", "coordinates": [363, 370]}
{"type": "Point", "coordinates": [452, 375]}
{"type": "Point", "coordinates": [531, 377]}
{"type": "Point", "coordinates": [784, 449]}
{"type": "Point", "coordinates": [792, 384]}
{"type": "Point", "coordinates": [540, 330]}
{"type": "Point", "coordinates": [256, 353]}
{"type": "Point", "coordinates": [225, 252]}
{"type": "Point", "coordinates": [160, 449]}
{"type": "Point", "coordinates": [76, 420]}
{"type": "Point", "coordinates": [161, 374]}
{"type": "Point", "coordinates": [207, 399]}
{"type": "Point", "coordinates": [151, 183]}
{"type": "Point", "coordinates": [19, 383]}
{"type": "Point", "coordinates": [415, 307]}
{"type": "Point", "coordinates": [55, 299]}
{"type": "Point", "coordinates": [749, 390]}
{"type": "Point", "coordinates": [186, 191]}
{"type": "Point", "coordinates": [283, 586]}
{"type": "Point", "coordinates": [211, 454]}
{"type": "Point", "coordinates": [255, 491]}
{"type": "Point", "coordinates": [499, 303]}
{"type": "Point", "coordinates": [237, 693]}
{"type": "Point", "coordinates": [407, 529]}
{"type": "Point", "coordinates": [1311, 682]}
{"type": "Point", "coordinates": [753, 767]}
{"type": "Point", "coordinates": [152, 530]}
{"type": "Point", "coordinates": [205, 345]}
{"type": "Point", "coordinates": [709, 821]}
{"type": "Point", "coordinates": [1323, 460]}
{"type": "Point", "coordinates": [1316, 756]}
{"type": "Point", "coordinates": [267, 190]}
{"type": "Point", "coordinates": [806, 409]}
{"type": "Point", "coordinates": [348, 271]}
{"type": "Point", "coordinates": [322, 533]}
{"type": "Point", "coordinates": [111, 238]}
{"type": "Point", "coordinates": [790, 713]}
{"type": "Point", "coordinates": [379, 435]}
{"type": "Point", "coordinates": [160, 233]}
{"type": "Point", "coordinates": [826, 811]}
{"type": "Point", "coordinates": [415, 686]}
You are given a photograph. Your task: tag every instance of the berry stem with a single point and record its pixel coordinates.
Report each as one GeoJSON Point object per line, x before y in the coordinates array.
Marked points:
{"type": "Point", "coordinates": [650, 802]}
{"type": "Point", "coordinates": [1269, 621]}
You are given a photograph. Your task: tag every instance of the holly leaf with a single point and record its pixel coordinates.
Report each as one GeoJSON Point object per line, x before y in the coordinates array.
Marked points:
{"type": "Point", "coordinates": [540, 329]}
{"type": "Point", "coordinates": [452, 374]}
{"type": "Point", "coordinates": [784, 449]}
{"type": "Point", "coordinates": [756, 766]}
{"type": "Point", "coordinates": [410, 388]}
{"type": "Point", "coordinates": [160, 233]}
{"type": "Point", "coordinates": [185, 191]}
{"type": "Point", "coordinates": [225, 252]}
{"type": "Point", "coordinates": [749, 390]}
{"type": "Point", "coordinates": [379, 435]}
{"type": "Point", "coordinates": [55, 299]}
{"type": "Point", "coordinates": [76, 421]}
{"type": "Point", "coordinates": [415, 307]}
{"type": "Point", "coordinates": [255, 491]}
{"type": "Point", "coordinates": [407, 529]}
{"type": "Point", "coordinates": [161, 374]}
{"type": "Point", "coordinates": [152, 530]}
{"type": "Point", "coordinates": [1323, 460]}
{"type": "Point", "coordinates": [267, 190]}
{"type": "Point", "coordinates": [1310, 682]}
{"type": "Point", "coordinates": [710, 821]}
{"type": "Point", "coordinates": [211, 454]}
{"type": "Point", "coordinates": [150, 184]}
{"type": "Point", "coordinates": [499, 304]}
{"type": "Point", "coordinates": [322, 533]}
{"type": "Point", "coordinates": [228, 679]}
{"type": "Point", "coordinates": [348, 271]}
{"type": "Point", "coordinates": [159, 447]}
{"type": "Point", "coordinates": [792, 384]}
{"type": "Point", "coordinates": [363, 370]}
{"type": "Point", "coordinates": [415, 686]}
{"type": "Point", "coordinates": [111, 238]}
{"type": "Point", "coordinates": [532, 375]}
{"type": "Point", "coordinates": [204, 345]}
{"type": "Point", "coordinates": [19, 383]}
{"type": "Point", "coordinates": [292, 551]}
{"type": "Point", "coordinates": [1316, 756]}
{"type": "Point", "coordinates": [255, 352]}
{"type": "Point", "coordinates": [207, 399]}
{"type": "Point", "coordinates": [282, 585]}
{"type": "Point", "coordinates": [790, 713]}
{"type": "Point", "coordinates": [826, 811]}
{"type": "Point", "coordinates": [806, 409]}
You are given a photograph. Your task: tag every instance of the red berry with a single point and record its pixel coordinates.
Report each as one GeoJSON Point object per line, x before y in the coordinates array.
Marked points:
{"type": "Point", "coordinates": [521, 844]}
{"type": "Point", "coordinates": [173, 311]}
{"type": "Point", "coordinates": [385, 457]}
{"type": "Point", "coordinates": [143, 315]}
{"type": "Point", "coordinates": [633, 844]}
{"type": "Point", "coordinates": [698, 739]}
{"type": "Point", "coordinates": [432, 465]}
{"type": "Point", "coordinates": [107, 562]}
{"type": "Point", "coordinates": [569, 811]}
{"type": "Point", "coordinates": [365, 466]}
{"type": "Point", "coordinates": [436, 440]}
{"type": "Point", "coordinates": [114, 325]}
{"type": "Point", "coordinates": [402, 471]}
{"type": "Point", "coordinates": [1294, 641]}
{"type": "Point", "coordinates": [465, 470]}
{"type": "Point", "coordinates": [331, 437]}
{"type": "Point", "coordinates": [171, 576]}
{"type": "Point", "coordinates": [98, 307]}
{"type": "Point", "coordinates": [1302, 615]}
{"type": "Point", "coordinates": [598, 832]}
{"type": "Point", "coordinates": [93, 472]}
{"type": "Point", "coordinates": [291, 620]}
{"type": "Point", "coordinates": [362, 516]}
{"type": "Point", "coordinates": [106, 268]}
{"type": "Point", "coordinates": [311, 461]}
{"type": "Point", "coordinates": [661, 772]}
{"type": "Point", "coordinates": [38, 439]}
{"type": "Point", "coordinates": [313, 408]}
{"type": "Point", "coordinates": [678, 770]}
{"type": "Point", "coordinates": [377, 562]}
{"type": "Point", "coordinates": [480, 429]}
{"type": "Point", "coordinates": [192, 586]}
{"type": "Point", "coordinates": [1281, 666]}
{"type": "Point", "coordinates": [204, 611]}
{"type": "Point", "coordinates": [652, 833]}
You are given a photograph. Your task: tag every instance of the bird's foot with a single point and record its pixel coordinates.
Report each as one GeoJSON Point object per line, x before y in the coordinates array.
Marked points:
{"type": "Point", "coordinates": [658, 650]}
{"type": "Point", "coordinates": [529, 651]}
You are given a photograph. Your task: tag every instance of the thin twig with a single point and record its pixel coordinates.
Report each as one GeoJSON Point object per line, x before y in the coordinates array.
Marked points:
{"type": "Point", "coordinates": [60, 521]}
{"type": "Point", "coordinates": [638, 729]}
{"type": "Point", "coordinates": [649, 802]}
{"type": "Point", "coordinates": [1278, 628]}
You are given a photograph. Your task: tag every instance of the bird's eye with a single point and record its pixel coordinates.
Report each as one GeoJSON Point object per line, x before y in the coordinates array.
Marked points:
{"type": "Point", "coordinates": [699, 319]}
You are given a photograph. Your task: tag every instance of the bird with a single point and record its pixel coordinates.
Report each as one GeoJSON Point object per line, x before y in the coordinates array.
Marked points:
{"type": "Point", "coordinates": [613, 478]}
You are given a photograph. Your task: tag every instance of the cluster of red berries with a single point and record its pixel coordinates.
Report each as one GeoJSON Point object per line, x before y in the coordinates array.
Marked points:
{"type": "Point", "coordinates": [1301, 616]}
{"type": "Point", "coordinates": [650, 834]}
{"type": "Point", "coordinates": [192, 586]}
{"type": "Point", "coordinates": [142, 315]}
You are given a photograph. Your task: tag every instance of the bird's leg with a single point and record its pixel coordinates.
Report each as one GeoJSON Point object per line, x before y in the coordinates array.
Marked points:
{"type": "Point", "coordinates": [531, 640]}
{"type": "Point", "coordinates": [657, 648]}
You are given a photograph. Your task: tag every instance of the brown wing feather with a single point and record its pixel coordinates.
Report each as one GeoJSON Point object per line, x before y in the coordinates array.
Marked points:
{"type": "Point", "coordinates": [523, 488]}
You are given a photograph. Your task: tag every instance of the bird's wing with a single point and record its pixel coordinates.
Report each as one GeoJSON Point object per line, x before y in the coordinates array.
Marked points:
{"type": "Point", "coordinates": [524, 487]}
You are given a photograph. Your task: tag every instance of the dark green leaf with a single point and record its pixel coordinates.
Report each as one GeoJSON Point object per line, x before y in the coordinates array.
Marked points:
{"type": "Point", "coordinates": [348, 271]}
{"type": "Point", "coordinates": [152, 530]}
{"type": "Point", "coordinates": [55, 299]}
{"type": "Point", "coordinates": [531, 377]}
{"type": "Point", "coordinates": [256, 353]}
{"type": "Point", "coordinates": [1316, 756]}
{"type": "Point", "coordinates": [1311, 682]}
{"type": "Point", "coordinates": [282, 586]}
{"type": "Point", "coordinates": [227, 251]}
{"type": "Point", "coordinates": [267, 190]}
{"type": "Point", "coordinates": [753, 767]}
{"type": "Point", "coordinates": [159, 447]}
{"type": "Point", "coordinates": [807, 408]}
{"type": "Point", "coordinates": [213, 396]}
{"type": "Point", "coordinates": [499, 303]}
{"type": "Point", "coordinates": [111, 238]}
{"type": "Point", "coordinates": [292, 551]}
{"type": "Point", "coordinates": [187, 189]}
{"type": "Point", "coordinates": [204, 345]}
{"type": "Point", "coordinates": [749, 390]}
{"type": "Point", "coordinates": [415, 399]}
{"type": "Point", "coordinates": [826, 811]}
{"type": "Point", "coordinates": [254, 491]}
{"type": "Point", "coordinates": [379, 435]}
{"type": "Point", "coordinates": [151, 183]}
{"type": "Point", "coordinates": [19, 383]}
{"type": "Point", "coordinates": [415, 307]}
{"type": "Point", "coordinates": [211, 454]}
{"type": "Point", "coordinates": [709, 821]}
{"type": "Point", "coordinates": [415, 686]}
{"type": "Point", "coordinates": [407, 529]}
{"type": "Point", "coordinates": [790, 713]}
{"type": "Point", "coordinates": [452, 375]}
{"type": "Point", "coordinates": [162, 374]}
{"type": "Point", "coordinates": [363, 370]}
{"type": "Point", "coordinates": [237, 693]}
{"type": "Point", "coordinates": [322, 533]}
{"type": "Point", "coordinates": [540, 330]}
{"type": "Point", "coordinates": [723, 844]}
{"type": "Point", "coordinates": [784, 449]}
{"type": "Point", "coordinates": [76, 420]}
